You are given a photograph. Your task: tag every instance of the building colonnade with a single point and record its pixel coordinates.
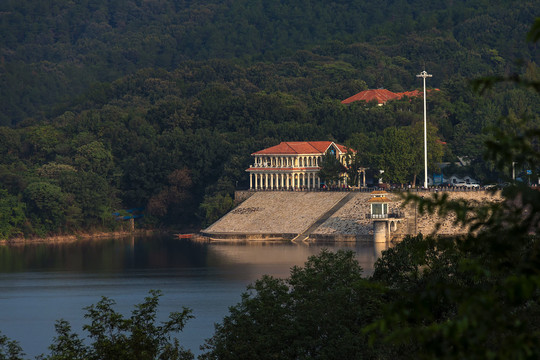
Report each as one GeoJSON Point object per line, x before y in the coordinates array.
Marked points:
{"type": "Point", "coordinates": [287, 161]}
{"type": "Point", "coordinates": [286, 181]}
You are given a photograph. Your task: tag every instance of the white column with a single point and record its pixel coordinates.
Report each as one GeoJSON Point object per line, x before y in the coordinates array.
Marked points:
{"type": "Point", "coordinates": [282, 182]}
{"type": "Point", "coordinates": [318, 182]}
{"type": "Point", "coordinates": [266, 181]}
{"type": "Point", "coordinates": [250, 181]}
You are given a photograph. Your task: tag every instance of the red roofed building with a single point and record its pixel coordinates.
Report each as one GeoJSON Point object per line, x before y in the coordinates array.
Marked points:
{"type": "Point", "coordinates": [291, 165]}
{"type": "Point", "coordinates": [381, 96]}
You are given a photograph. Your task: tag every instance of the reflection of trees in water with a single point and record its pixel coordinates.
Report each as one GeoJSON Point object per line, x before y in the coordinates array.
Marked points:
{"type": "Point", "coordinates": [256, 253]}
{"type": "Point", "coordinates": [229, 259]}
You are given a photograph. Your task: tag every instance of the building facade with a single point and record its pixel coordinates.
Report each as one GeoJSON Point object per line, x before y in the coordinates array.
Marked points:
{"type": "Point", "coordinates": [292, 165]}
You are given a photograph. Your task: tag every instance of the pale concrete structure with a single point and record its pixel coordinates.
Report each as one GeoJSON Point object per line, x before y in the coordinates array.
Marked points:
{"type": "Point", "coordinates": [383, 225]}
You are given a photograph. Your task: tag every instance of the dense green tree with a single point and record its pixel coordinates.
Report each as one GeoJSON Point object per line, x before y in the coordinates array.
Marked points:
{"type": "Point", "coordinates": [316, 313]}
{"type": "Point", "coordinates": [401, 152]}
{"type": "Point", "coordinates": [94, 157]}
{"type": "Point", "coordinates": [12, 215]}
{"type": "Point", "coordinates": [46, 206]}
{"type": "Point", "coordinates": [215, 206]}
{"type": "Point", "coordinates": [112, 336]}
{"type": "Point", "coordinates": [397, 155]}
{"type": "Point", "coordinates": [10, 349]}
{"type": "Point", "coordinates": [331, 169]}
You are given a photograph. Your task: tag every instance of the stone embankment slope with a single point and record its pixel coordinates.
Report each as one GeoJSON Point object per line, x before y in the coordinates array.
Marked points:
{"type": "Point", "coordinates": [277, 214]}
{"type": "Point", "coordinates": [267, 215]}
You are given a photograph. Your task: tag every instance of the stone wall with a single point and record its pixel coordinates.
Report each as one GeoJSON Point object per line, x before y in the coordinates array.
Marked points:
{"type": "Point", "coordinates": [427, 224]}
{"type": "Point", "coordinates": [352, 218]}
{"type": "Point", "coordinates": [281, 214]}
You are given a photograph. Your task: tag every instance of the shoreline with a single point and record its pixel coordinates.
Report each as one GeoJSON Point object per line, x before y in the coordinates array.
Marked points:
{"type": "Point", "coordinates": [75, 237]}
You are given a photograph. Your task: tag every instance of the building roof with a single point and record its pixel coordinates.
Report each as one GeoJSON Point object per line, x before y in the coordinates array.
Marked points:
{"type": "Point", "coordinates": [413, 93]}
{"type": "Point", "coordinates": [381, 199]}
{"type": "Point", "coordinates": [300, 147]}
{"type": "Point", "coordinates": [379, 95]}
{"type": "Point", "coordinates": [382, 95]}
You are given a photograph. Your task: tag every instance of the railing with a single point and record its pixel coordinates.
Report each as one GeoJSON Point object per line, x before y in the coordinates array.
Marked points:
{"type": "Point", "coordinates": [370, 189]}
{"type": "Point", "coordinates": [393, 215]}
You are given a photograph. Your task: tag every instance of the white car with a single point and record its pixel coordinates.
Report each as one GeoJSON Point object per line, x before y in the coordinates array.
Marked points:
{"type": "Point", "coordinates": [467, 185]}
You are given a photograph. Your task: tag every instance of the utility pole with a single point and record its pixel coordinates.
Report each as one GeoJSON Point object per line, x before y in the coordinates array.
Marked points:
{"type": "Point", "coordinates": [424, 75]}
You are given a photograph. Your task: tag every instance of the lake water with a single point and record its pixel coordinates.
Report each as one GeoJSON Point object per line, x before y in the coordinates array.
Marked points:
{"type": "Point", "coordinates": [41, 283]}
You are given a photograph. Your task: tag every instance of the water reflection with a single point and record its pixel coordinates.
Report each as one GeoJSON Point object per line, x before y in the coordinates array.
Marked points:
{"type": "Point", "coordinates": [40, 283]}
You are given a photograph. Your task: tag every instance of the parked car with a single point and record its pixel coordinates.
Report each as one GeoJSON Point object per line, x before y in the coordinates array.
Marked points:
{"type": "Point", "coordinates": [467, 185]}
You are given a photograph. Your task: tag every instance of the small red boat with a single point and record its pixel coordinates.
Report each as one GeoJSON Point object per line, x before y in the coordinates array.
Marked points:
{"type": "Point", "coordinates": [184, 236]}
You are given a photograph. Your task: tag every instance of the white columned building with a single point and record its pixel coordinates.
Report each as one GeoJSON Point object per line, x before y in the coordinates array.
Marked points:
{"type": "Point", "coordinates": [292, 165]}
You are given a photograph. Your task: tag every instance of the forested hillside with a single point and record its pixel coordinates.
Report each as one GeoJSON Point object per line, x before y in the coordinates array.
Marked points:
{"type": "Point", "coordinates": [109, 105]}
{"type": "Point", "coordinates": [53, 49]}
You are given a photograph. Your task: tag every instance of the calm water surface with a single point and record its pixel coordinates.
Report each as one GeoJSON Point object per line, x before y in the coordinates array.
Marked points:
{"type": "Point", "coordinates": [41, 283]}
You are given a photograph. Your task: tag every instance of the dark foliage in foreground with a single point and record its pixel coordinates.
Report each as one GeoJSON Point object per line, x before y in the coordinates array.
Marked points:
{"type": "Point", "coordinates": [317, 313]}
{"type": "Point", "coordinates": [111, 336]}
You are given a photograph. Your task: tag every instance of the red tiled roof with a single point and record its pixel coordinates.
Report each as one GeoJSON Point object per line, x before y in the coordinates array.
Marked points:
{"type": "Point", "coordinates": [410, 94]}
{"type": "Point", "coordinates": [300, 147]}
{"type": "Point", "coordinates": [382, 95]}
{"type": "Point", "coordinates": [379, 95]}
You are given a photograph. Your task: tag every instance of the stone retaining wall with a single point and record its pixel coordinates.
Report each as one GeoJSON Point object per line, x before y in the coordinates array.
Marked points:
{"type": "Point", "coordinates": [351, 218]}
{"type": "Point", "coordinates": [283, 214]}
